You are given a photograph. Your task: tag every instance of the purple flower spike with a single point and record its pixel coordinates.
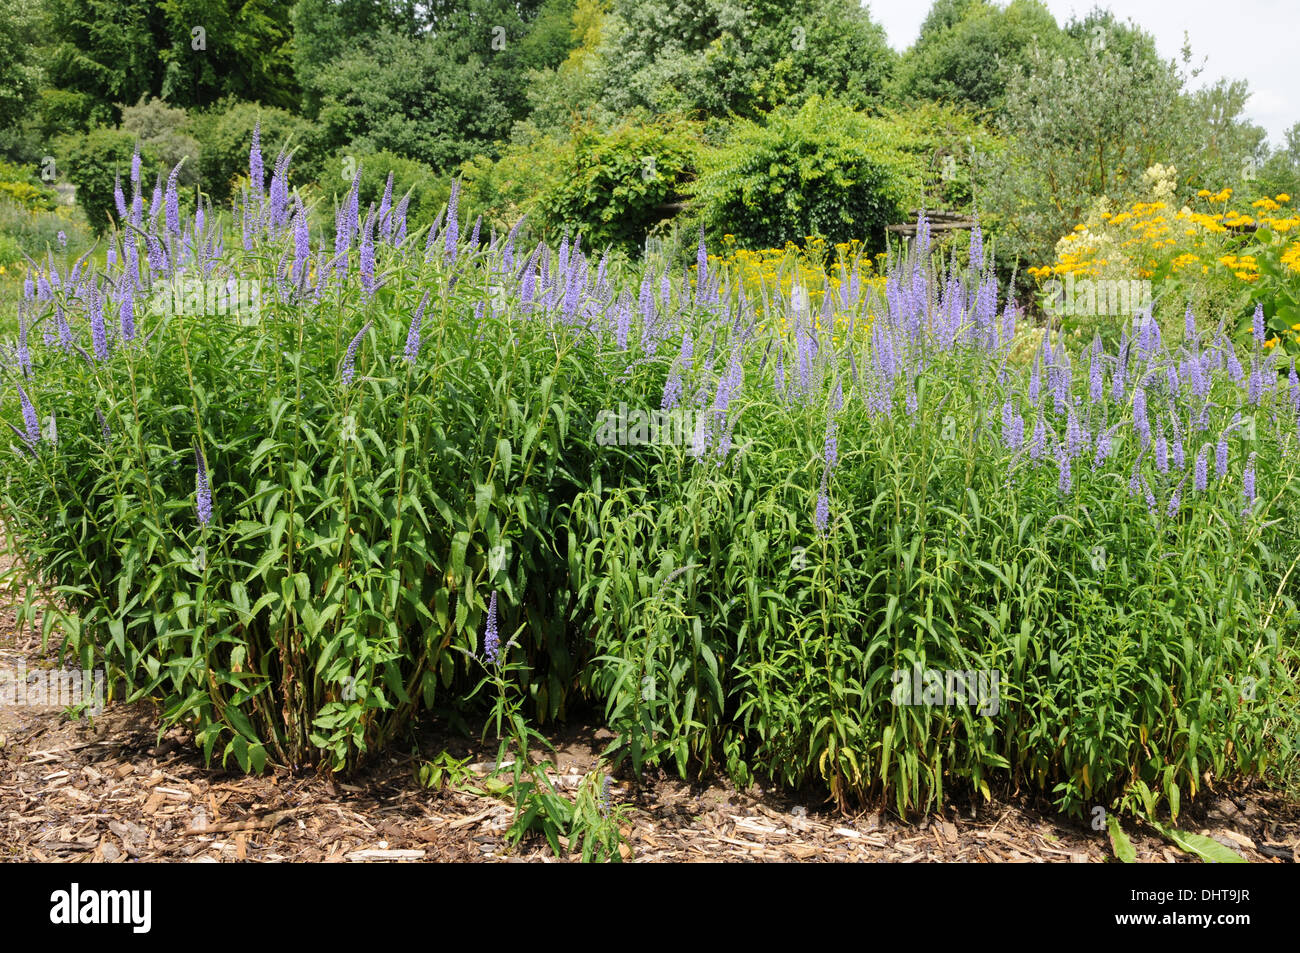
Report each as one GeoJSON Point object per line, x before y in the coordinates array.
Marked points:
{"type": "Point", "coordinates": [368, 256]}
{"type": "Point", "coordinates": [280, 191]}
{"type": "Point", "coordinates": [976, 249]}
{"type": "Point", "coordinates": [831, 450]}
{"type": "Point", "coordinates": [491, 638]}
{"type": "Point", "coordinates": [1257, 324]}
{"type": "Point", "coordinates": [171, 202]}
{"type": "Point", "coordinates": [156, 203]}
{"type": "Point", "coordinates": [350, 358]}
{"type": "Point", "coordinates": [1150, 497]}
{"type": "Point", "coordinates": [1140, 414]}
{"type": "Point", "coordinates": [1065, 482]}
{"type": "Point", "coordinates": [386, 209]}
{"type": "Point", "coordinates": [1103, 448]}
{"type": "Point", "coordinates": [1255, 385]}
{"type": "Point", "coordinates": [301, 246]}
{"type": "Point", "coordinates": [30, 421]}
{"type": "Point", "coordinates": [127, 314]}
{"type": "Point", "coordinates": [1248, 483]}
{"type": "Point", "coordinates": [822, 513]}
{"type": "Point", "coordinates": [1202, 469]}
{"type": "Point", "coordinates": [24, 352]}
{"type": "Point", "coordinates": [1096, 374]}
{"type": "Point", "coordinates": [1039, 441]}
{"type": "Point", "coordinates": [256, 174]}
{"type": "Point", "coordinates": [413, 333]}
{"type": "Point", "coordinates": [65, 332]}
{"type": "Point", "coordinates": [450, 229]}
{"type": "Point", "coordinates": [399, 221]}
{"type": "Point", "coordinates": [1234, 365]}
{"type": "Point", "coordinates": [203, 491]}
{"type": "Point", "coordinates": [98, 332]}
{"type": "Point", "coordinates": [701, 268]}
{"type": "Point", "coordinates": [622, 322]}
{"type": "Point", "coordinates": [672, 390]}
{"type": "Point", "coordinates": [1013, 427]}
{"type": "Point", "coordinates": [1175, 501]}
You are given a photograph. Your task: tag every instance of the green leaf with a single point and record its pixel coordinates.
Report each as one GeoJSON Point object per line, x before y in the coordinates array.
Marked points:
{"type": "Point", "coordinates": [1206, 848]}
{"type": "Point", "coordinates": [1119, 840]}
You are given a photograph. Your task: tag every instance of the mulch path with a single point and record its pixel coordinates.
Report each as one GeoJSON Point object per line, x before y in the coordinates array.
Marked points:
{"type": "Point", "coordinates": [112, 791]}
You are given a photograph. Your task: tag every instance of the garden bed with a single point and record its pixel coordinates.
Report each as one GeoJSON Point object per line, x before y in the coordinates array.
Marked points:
{"type": "Point", "coordinates": [108, 791]}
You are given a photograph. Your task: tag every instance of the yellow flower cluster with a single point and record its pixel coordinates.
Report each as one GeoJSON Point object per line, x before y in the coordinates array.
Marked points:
{"type": "Point", "coordinates": [1243, 266]}
{"type": "Point", "coordinates": [816, 267]}
{"type": "Point", "coordinates": [1291, 257]}
{"type": "Point", "coordinates": [1136, 237]}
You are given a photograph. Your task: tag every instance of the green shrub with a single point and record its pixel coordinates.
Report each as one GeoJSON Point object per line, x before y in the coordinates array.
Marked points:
{"type": "Point", "coordinates": [512, 186]}
{"type": "Point", "coordinates": [824, 170]}
{"type": "Point", "coordinates": [21, 184]}
{"type": "Point", "coordinates": [949, 148]}
{"type": "Point", "coordinates": [619, 184]}
{"type": "Point", "coordinates": [613, 185]}
{"type": "Point", "coordinates": [64, 111]}
{"type": "Point", "coordinates": [225, 131]}
{"type": "Point", "coordinates": [91, 161]}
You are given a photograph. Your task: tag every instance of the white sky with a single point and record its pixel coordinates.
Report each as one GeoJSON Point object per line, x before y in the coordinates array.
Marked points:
{"type": "Point", "coordinates": [1252, 40]}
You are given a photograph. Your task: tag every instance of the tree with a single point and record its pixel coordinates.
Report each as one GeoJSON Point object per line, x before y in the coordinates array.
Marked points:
{"type": "Point", "coordinates": [1230, 148]}
{"type": "Point", "coordinates": [967, 47]}
{"type": "Point", "coordinates": [615, 185]}
{"type": "Point", "coordinates": [742, 57]}
{"type": "Point", "coordinates": [325, 30]}
{"type": "Point", "coordinates": [223, 48]}
{"type": "Point", "coordinates": [111, 53]}
{"type": "Point", "coordinates": [1280, 174]}
{"type": "Point", "coordinates": [1090, 120]}
{"type": "Point", "coordinates": [440, 87]}
{"type": "Point", "coordinates": [416, 97]}
{"type": "Point", "coordinates": [559, 95]}
{"type": "Point", "coordinates": [20, 72]}
{"type": "Point", "coordinates": [105, 52]}
{"type": "Point", "coordinates": [1081, 124]}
